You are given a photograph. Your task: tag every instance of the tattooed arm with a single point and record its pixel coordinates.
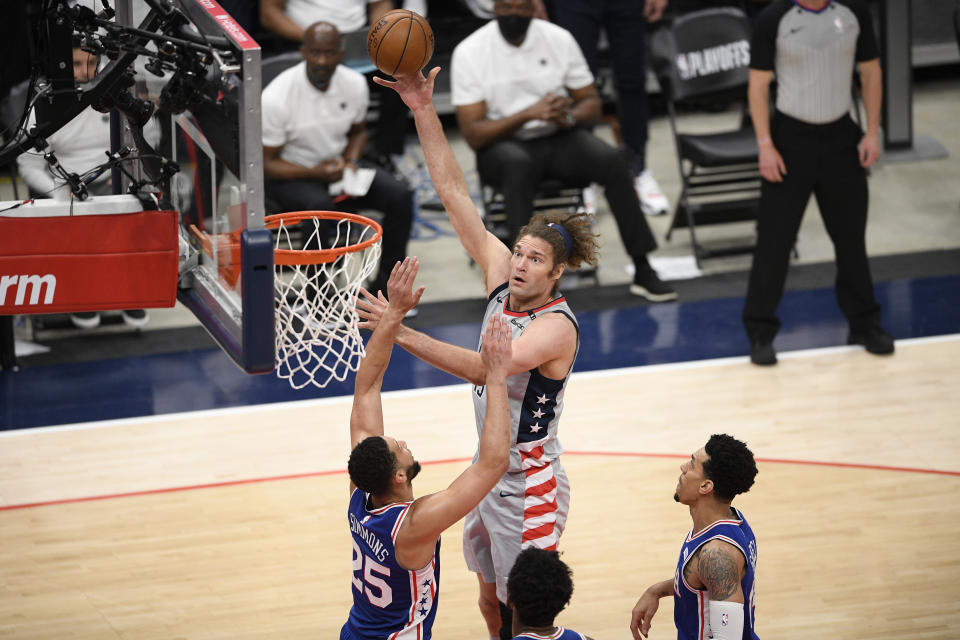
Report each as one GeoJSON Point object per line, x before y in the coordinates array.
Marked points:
{"type": "Point", "coordinates": [720, 567]}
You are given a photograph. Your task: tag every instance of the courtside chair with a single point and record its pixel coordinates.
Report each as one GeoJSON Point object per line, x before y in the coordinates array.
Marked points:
{"type": "Point", "coordinates": [703, 57]}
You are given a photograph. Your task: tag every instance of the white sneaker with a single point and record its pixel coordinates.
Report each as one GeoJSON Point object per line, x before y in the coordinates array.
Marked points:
{"type": "Point", "coordinates": [136, 318]}
{"type": "Point", "coordinates": [652, 199]}
{"type": "Point", "coordinates": [85, 320]}
{"type": "Point", "coordinates": [590, 199]}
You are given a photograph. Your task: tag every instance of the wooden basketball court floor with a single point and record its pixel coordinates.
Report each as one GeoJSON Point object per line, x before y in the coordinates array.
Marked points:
{"type": "Point", "coordinates": [231, 523]}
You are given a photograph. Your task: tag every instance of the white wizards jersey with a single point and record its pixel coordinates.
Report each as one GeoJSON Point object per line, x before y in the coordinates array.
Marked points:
{"type": "Point", "coordinates": [536, 401]}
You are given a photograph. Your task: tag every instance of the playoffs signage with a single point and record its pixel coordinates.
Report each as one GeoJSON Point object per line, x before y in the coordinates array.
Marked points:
{"type": "Point", "coordinates": [713, 60]}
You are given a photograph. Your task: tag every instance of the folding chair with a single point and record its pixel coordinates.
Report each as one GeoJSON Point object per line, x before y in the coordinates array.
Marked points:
{"type": "Point", "coordinates": [704, 57]}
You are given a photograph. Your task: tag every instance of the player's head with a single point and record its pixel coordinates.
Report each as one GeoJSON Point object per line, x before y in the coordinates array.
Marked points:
{"type": "Point", "coordinates": [84, 64]}
{"type": "Point", "coordinates": [378, 464]}
{"type": "Point", "coordinates": [723, 469]}
{"type": "Point", "coordinates": [322, 49]}
{"type": "Point", "coordinates": [539, 587]}
{"type": "Point", "coordinates": [546, 245]}
{"type": "Point", "coordinates": [513, 19]}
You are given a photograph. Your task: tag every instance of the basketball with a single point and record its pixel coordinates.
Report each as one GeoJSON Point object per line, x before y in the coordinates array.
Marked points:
{"type": "Point", "coordinates": [400, 43]}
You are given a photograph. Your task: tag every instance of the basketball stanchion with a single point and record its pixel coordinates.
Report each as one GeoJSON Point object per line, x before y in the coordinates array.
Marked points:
{"type": "Point", "coordinates": [316, 283]}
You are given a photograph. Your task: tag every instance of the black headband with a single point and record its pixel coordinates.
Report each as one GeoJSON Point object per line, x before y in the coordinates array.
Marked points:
{"type": "Point", "coordinates": [567, 239]}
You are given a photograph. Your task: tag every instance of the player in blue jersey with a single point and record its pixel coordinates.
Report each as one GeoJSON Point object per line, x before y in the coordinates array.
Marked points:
{"type": "Point", "coordinates": [529, 506]}
{"type": "Point", "coordinates": [713, 586]}
{"type": "Point", "coordinates": [396, 539]}
{"type": "Point", "coordinates": [539, 587]}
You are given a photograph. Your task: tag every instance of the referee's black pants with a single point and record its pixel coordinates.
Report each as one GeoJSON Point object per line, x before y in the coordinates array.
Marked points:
{"type": "Point", "coordinates": [821, 159]}
{"type": "Point", "coordinates": [576, 157]}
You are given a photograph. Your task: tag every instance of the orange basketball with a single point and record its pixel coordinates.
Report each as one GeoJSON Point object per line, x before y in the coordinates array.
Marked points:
{"type": "Point", "coordinates": [400, 43]}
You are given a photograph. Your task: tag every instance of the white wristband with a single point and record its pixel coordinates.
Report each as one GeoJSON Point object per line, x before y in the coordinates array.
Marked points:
{"type": "Point", "coordinates": [726, 620]}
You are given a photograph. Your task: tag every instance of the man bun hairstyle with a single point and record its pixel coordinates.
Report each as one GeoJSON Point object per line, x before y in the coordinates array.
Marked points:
{"type": "Point", "coordinates": [372, 465]}
{"type": "Point", "coordinates": [539, 585]}
{"type": "Point", "coordinates": [730, 465]}
{"type": "Point", "coordinates": [573, 244]}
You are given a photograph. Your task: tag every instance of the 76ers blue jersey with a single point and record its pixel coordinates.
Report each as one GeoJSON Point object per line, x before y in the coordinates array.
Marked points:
{"type": "Point", "coordinates": [690, 606]}
{"type": "Point", "coordinates": [559, 634]}
{"type": "Point", "coordinates": [389, 601]}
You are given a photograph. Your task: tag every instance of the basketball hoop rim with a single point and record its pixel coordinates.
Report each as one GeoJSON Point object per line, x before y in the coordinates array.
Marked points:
{"type": "Point", "coordinates": [319, 256]}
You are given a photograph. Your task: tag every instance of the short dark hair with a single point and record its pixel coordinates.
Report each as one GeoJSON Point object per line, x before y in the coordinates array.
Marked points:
{"type": "Point", "coordinates": [539, 586]}
{"type": "Point", "coordinates": [372, 465]}
{"type": "Point", "coordinates": [730, 465]}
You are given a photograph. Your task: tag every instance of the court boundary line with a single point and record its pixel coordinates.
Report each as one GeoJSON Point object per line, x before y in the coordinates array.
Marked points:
{"type": "Point", "coordinates": [454, 388]}
{"type": "Point", "coordinates": [331, 472]}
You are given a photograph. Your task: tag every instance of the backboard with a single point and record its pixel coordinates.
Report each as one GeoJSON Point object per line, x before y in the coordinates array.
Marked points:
{"type": "Point", "coordinates": [226, 261]}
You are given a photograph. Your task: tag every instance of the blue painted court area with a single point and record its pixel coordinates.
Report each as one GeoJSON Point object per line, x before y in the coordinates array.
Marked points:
{"type": "Point", "coordinates": [674, 332]}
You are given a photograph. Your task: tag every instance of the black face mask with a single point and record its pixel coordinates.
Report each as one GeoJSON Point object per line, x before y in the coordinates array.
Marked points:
{"type": "Point", "coordinates": [513, 28]}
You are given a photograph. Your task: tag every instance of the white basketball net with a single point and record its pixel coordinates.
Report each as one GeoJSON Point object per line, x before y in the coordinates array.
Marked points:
{"type": "Point", "coordinates": [317, 335]}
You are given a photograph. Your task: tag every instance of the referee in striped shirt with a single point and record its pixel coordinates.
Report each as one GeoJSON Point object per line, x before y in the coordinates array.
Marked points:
{"type": "Point", "coordinates": [811, 145]}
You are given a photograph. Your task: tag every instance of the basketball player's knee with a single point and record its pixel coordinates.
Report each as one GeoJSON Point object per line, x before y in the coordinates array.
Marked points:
{"type": "Point", "coordinates": [488, 606]}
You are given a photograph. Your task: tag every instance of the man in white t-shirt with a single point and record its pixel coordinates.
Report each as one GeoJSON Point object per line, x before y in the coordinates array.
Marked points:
{"type": "Point", "coordinates": [78, 145]}
{"type": "Point", "coordinates": [290, 18]}
{"type": "Point", "coordinates": [522, 90]}
{"type": "Point", "coordinates": [313, 129]}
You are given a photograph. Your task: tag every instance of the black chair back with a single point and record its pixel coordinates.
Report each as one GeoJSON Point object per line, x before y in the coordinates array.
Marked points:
{"type": "Point", "coordinates": [703, 53]}
{"type": "Point", "coordinates": [275, 65]}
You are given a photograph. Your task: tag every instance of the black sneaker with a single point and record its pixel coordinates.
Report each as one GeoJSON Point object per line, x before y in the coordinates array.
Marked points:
{"type": "Point", "coordinates": [85, 320]}
{"type": "Point", "coordinates": [647, 284]}
{"type": "Point", "coordinates": [135, 318]}
{"type": "Point", "coordinates": [875, 340]}
{"type": "Point", "coordinates": [762, 354]}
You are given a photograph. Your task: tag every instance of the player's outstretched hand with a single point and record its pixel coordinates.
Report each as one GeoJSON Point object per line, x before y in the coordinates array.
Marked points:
{"type": "Point", "coordinates": [415, 90]}
{"type": "Point", "coordinates": [400, 291]}
{"type": "Point", "coordinates": [496, 351]}
{"type": "Point", "coordinates": [642, 614]}
{"type": "Point", "coordinates": [370, 309]}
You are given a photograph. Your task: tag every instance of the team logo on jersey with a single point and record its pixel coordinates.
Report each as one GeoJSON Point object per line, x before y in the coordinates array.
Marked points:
{"type": "Point", "coordinates": [838, 24]}
{"type": "Point", "coordinates": [517, 324]}
{"type": "Point", "coordinates": [686, 552]}
{"type": "Point", "coordinates": [724, 619]}
{"type": "Point", "coordinates": [752, 549]}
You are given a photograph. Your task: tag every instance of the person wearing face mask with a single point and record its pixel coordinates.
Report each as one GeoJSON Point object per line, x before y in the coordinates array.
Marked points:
{"type": "Point", "coordinates": [313, 131]}
{"type": "Point", "coordinates": [523, 93]}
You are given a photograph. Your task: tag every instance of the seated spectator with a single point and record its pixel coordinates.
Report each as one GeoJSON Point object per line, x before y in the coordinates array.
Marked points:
{"type": "Point", "coordinates": [290, 18]}
{"type": "Point", "coordinates": [313, 129]}
{"type": "Point", "coordinates": [79, 146]}
{"type": "Point", "coordinates": [522, 90]}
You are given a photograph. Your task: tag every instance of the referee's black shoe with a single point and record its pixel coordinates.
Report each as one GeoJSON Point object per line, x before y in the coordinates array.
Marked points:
{"type": "Point", "coordinates": [874, 339]}
{"type": "Point", "coordinates": [647, 284]}
{"type": "Point", "coordinates": [762, 353]}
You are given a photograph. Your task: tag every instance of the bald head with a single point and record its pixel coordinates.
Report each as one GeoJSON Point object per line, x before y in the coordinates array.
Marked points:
{"type": "Point", "coordinates": [322, 49]}
{"type": "Point", "coordinates": [322, 35]}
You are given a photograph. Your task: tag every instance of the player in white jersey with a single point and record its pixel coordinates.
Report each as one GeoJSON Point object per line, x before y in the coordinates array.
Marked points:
{"type": "Point", "coordinates": [529, 506]}
{"type": "Point", "coordinates": [396, 539]}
